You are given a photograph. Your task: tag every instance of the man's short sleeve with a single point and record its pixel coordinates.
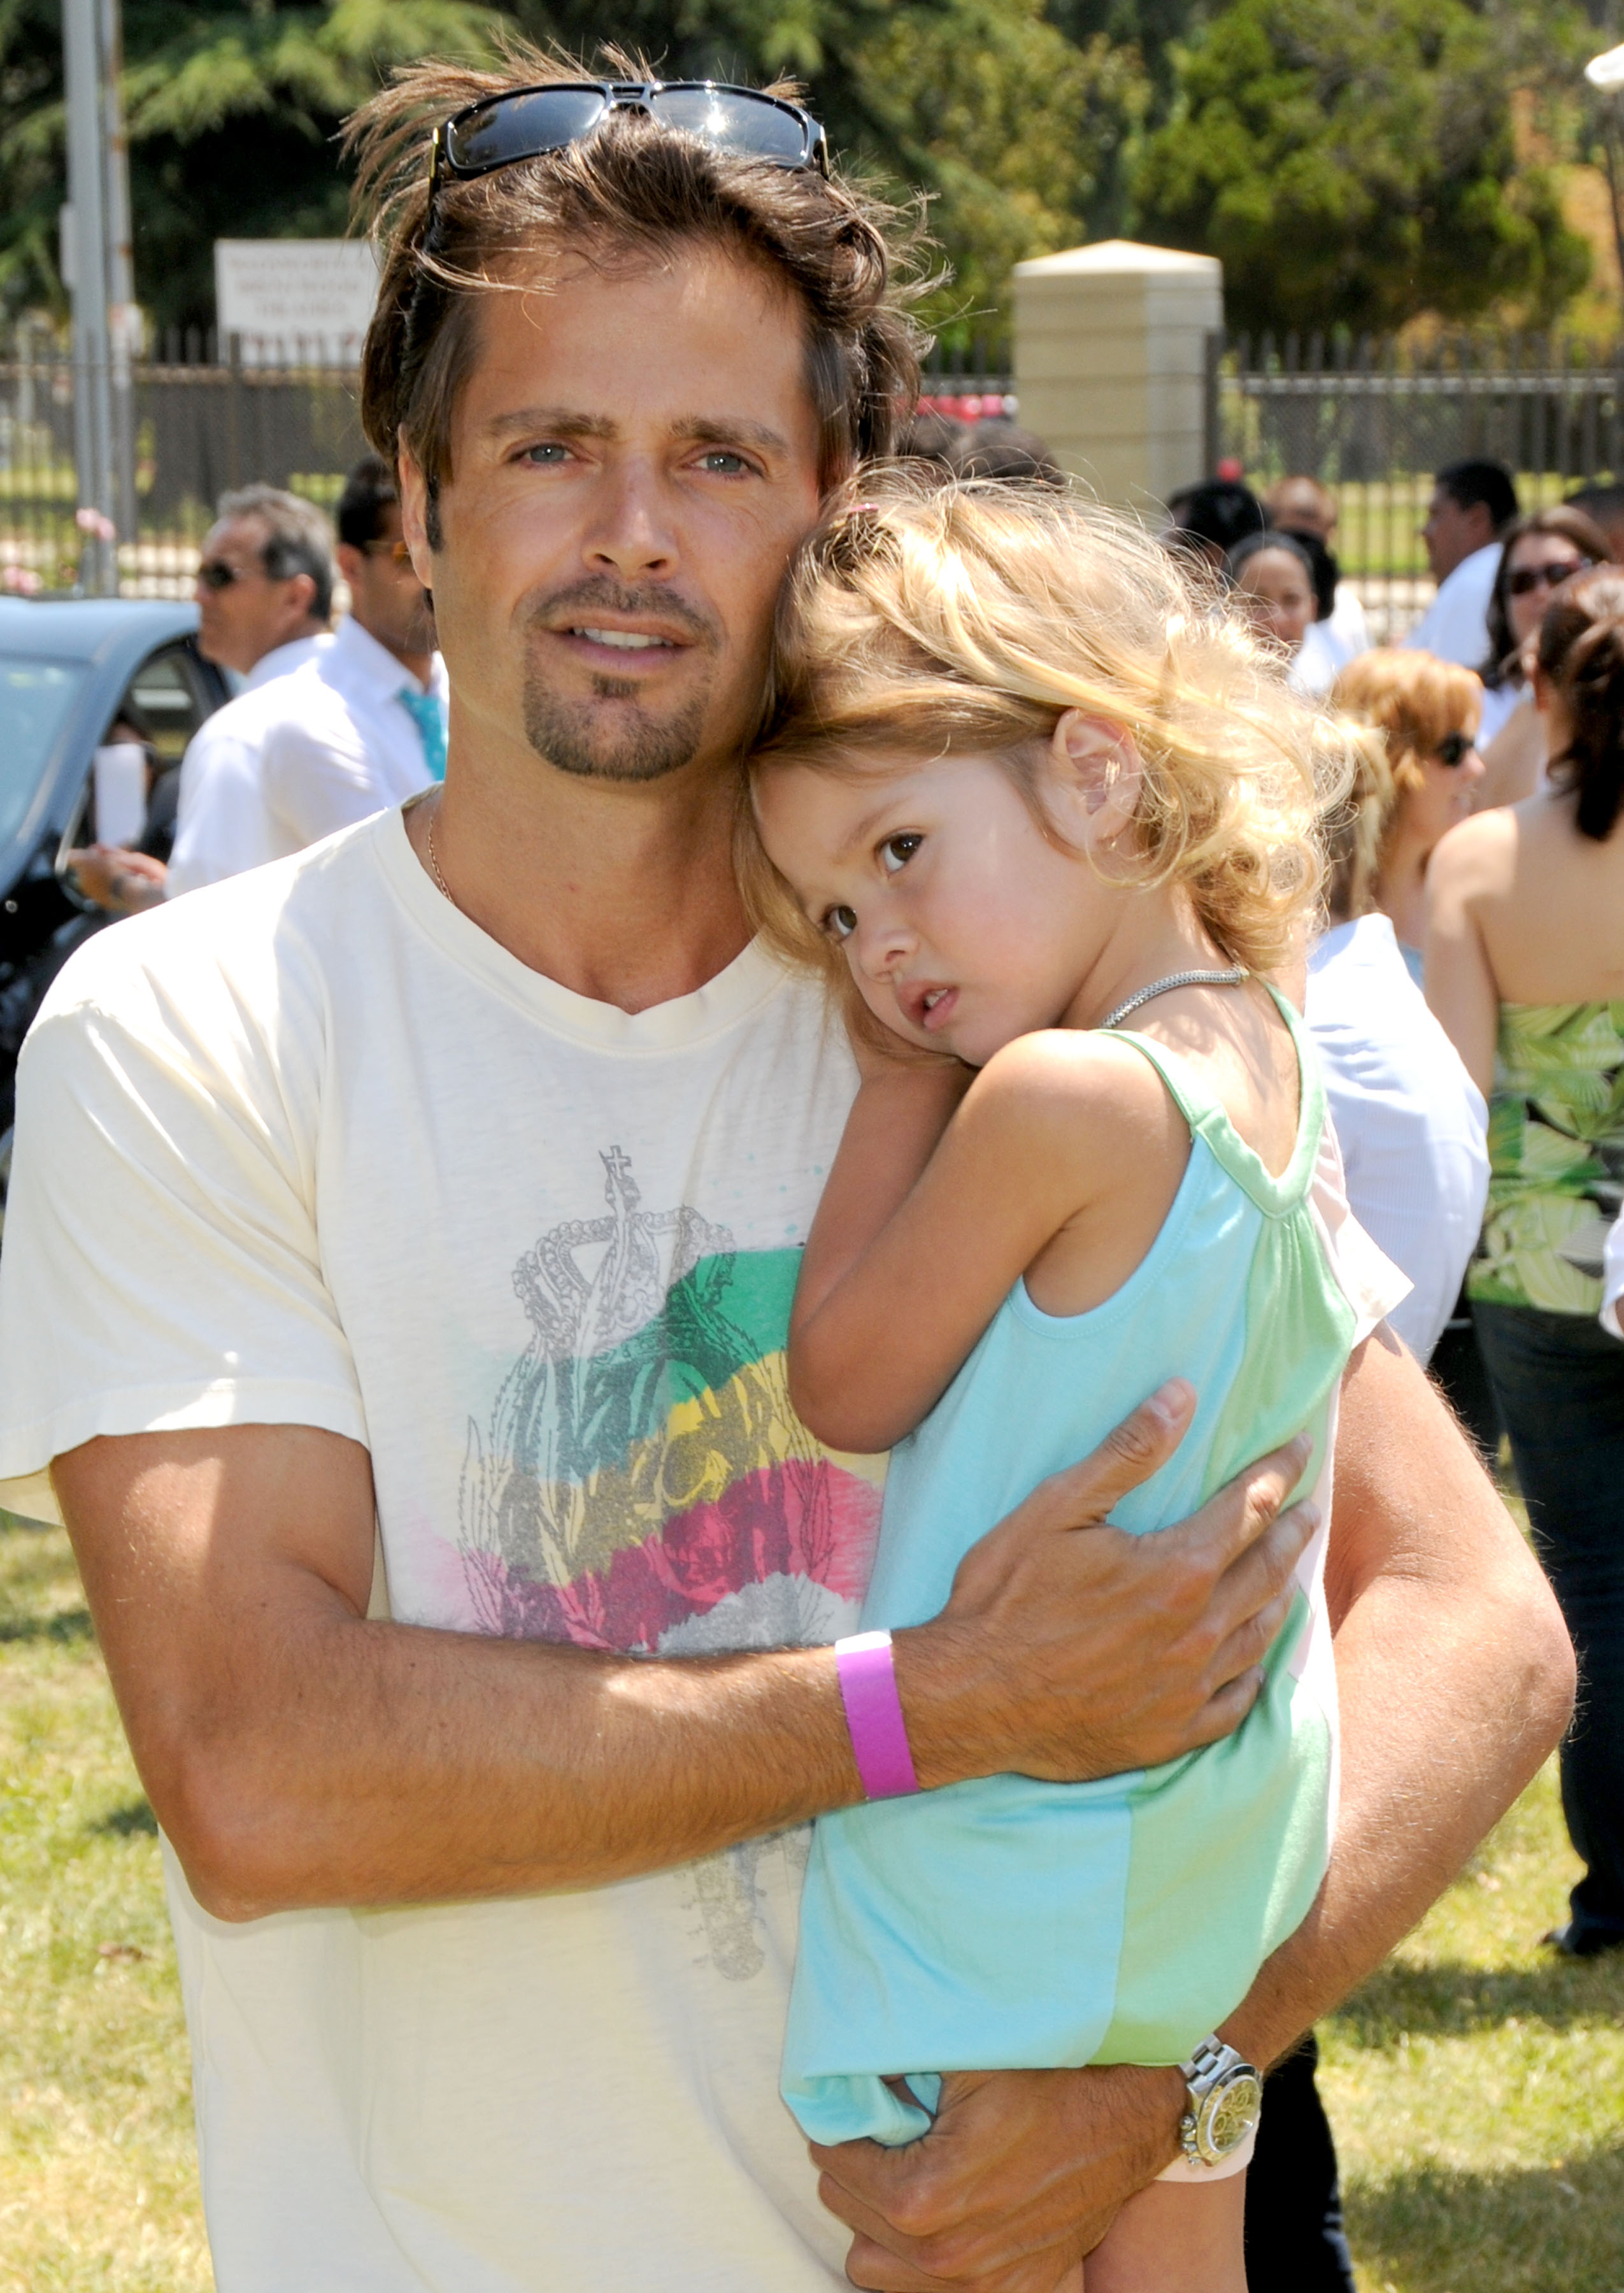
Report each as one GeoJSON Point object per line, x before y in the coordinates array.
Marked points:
{"type": "Point", "coordinates": [160, 1267]}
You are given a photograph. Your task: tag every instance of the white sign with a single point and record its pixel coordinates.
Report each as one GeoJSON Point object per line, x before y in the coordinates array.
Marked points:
{"type": "Point", "coordinates": [295, 300]}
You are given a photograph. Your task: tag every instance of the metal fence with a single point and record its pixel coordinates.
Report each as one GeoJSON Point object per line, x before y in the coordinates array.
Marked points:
{"type": "Point", "coordinates": [1373, 419]}
{"type": "Point", "coordinates": [207, 417]}
{"type": "Point", "coordinates": [203, 422]}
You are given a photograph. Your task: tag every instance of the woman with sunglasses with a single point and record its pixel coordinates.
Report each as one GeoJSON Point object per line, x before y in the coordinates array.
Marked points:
{"type": "Point", "coordinates": [1541, 552]}
{"type": "Point", "coordinates": [1525, 968]}
{"type": "Point", "coordinates": [1427, 711]}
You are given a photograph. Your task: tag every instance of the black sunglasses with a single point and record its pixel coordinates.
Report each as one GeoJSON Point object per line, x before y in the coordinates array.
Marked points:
{"type": "Point", "coordinates": [1526, 579]}
{"type": "Point", "coordinates": [526, 122]}
{"type": "Point", "coordinates": [1453, 747]}
{"type": "Point", "coordinates": [215, 574]}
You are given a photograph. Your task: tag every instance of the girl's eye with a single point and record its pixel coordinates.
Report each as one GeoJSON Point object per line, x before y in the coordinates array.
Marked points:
{"type": "Point", "coordinates": [897, 851]}
{"type": "Point", "coordinates": [840, 923]}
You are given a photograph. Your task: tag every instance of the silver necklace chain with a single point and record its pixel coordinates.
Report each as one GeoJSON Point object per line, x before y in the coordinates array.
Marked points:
{"type": "Point", "coordinates": [1157, 987]}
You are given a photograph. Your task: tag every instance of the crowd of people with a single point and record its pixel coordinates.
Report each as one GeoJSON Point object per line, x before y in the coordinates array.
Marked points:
{"type": "Point", "coordinates": [508, 1270]}
{"type": "Point", "coordinates": [326, 726]}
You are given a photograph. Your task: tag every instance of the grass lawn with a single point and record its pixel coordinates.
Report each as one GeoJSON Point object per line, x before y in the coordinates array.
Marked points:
{"type": "Point", "coordinates": [1476, 2085]}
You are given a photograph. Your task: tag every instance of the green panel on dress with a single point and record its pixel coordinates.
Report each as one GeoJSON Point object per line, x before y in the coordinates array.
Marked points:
{"type": "Point", "coordinates": [1555, 1156]}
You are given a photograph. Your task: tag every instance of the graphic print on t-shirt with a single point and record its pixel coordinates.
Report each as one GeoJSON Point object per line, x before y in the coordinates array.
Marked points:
{"type": "Point", "coordinates": [644, 1484]}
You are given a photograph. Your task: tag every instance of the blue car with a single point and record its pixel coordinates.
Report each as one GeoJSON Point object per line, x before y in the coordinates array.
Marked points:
{"type": "Point", "coordinates": [70, 672]}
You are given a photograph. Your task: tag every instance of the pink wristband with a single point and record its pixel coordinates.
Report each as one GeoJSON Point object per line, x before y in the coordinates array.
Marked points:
{"type": "Point", "coordinates": [867, 1671]}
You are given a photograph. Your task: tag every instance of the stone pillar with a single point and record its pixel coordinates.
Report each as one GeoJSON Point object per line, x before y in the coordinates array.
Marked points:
{"type": "Point", "coordinates": [1110, 364]}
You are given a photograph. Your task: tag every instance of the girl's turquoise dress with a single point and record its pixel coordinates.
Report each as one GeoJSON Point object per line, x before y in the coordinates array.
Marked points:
{"type": "Point", "coordinates": [1007, 1924]}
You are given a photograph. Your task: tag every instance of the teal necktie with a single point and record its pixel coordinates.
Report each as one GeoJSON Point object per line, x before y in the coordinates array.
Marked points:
{"type": "Point", "coordinates": [429, 717]}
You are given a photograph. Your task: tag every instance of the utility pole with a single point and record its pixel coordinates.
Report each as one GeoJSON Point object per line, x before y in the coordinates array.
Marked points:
{"type": "Point", "coordinates": [96, 240]}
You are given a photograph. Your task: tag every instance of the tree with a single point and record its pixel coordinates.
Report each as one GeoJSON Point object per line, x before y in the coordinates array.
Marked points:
{"type": "Point", "coordinates": [1012, 129]}
{"type": "Point", "coordinates": [1355, 162]}
{"type": "Point", "coordinates": [231, 107]}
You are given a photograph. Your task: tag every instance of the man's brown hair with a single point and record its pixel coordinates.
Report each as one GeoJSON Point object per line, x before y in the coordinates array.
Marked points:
{"type": "Point", "coordinates": [633, 189]}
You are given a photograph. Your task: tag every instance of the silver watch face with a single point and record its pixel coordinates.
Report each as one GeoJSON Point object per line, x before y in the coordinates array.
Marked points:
{"type": "Point", "coordinates": [1228, 2114]}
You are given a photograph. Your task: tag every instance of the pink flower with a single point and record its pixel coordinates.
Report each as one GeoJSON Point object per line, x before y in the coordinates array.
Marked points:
{"type": "Point", "coordinates": [94, 522]}
{"type": "Point", "coordinates": [20, 580]}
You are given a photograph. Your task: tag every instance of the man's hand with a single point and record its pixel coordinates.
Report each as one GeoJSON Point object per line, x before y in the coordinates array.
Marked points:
{"type": "Point", "coordinates": [120, 881]}
{"type": "Point", "coordinates": [298, 1754]}
{"type": "Point", "coordinates": [1069, 1657]}
{"type": "Point", "coordinates": [1022, 2175]}
{"type": "Point", "coordinates": [1446, 1636]}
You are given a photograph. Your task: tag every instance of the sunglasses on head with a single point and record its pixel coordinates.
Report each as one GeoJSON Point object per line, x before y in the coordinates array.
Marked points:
{"type": "Point", "coordinates": [1524, 579]}
{"type": "Point", "coordinates": [1453, 747]}
{"type": "Point", "coordinates": [527, 122]}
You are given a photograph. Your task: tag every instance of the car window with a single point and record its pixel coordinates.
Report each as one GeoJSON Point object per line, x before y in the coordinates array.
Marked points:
{"type": "Point", "coordinates": [35, 699]}
{"type": "Point", "coordinates": [170, 702]}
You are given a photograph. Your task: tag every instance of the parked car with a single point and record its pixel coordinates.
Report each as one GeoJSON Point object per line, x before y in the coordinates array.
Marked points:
{"type": "Point", "coordinates": [69, 673]}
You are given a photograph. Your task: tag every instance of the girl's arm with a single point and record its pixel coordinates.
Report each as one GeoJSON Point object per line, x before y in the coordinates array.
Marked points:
{"type": "Point", "coordinates": [906, 1266]}
{"type": "Point", "coordinates": [1461, 983]}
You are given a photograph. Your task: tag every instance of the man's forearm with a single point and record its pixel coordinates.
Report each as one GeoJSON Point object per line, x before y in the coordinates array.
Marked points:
{"type": "Point", "coordinates": [298, 1753]}
{"type": "Point", "coordinates": [1455, 1677]}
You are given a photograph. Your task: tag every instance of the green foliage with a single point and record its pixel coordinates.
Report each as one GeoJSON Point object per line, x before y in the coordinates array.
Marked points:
{"type": "Point", "coordinates": [232, 108]}
{"type": "Point", "coordinates": [1015, 130]}
{"type": "Point", "coordinates": [1349, 160]}
{"type": "Point", "coordinates": [1355, 162]}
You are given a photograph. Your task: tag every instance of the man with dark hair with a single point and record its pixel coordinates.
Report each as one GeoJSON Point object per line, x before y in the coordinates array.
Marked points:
{"type": "Point", "coordinates": [364, 725]}
{"type": "Point", "coordinates": [1605, 505]}
{"type": "Point", "coordinates": [466, 1578]}
{"type": "Point", "coordinates": [1207, 520]}
{"type": "Point", "coordinates": [1473, 503]}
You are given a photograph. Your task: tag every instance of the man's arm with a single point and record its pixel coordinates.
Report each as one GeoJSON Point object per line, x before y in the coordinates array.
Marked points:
{"type": "Point", "coordinates": [1456, 1678]}
{"type": "Point", "coordinates": [296, 1753]}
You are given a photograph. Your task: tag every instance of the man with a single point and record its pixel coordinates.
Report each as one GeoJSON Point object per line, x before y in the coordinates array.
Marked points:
{"type": "Point", "coordinates": [1301, 505]}
{"type": "Point", "coordinates": [364, 725]}
{"type": "Point", "coordinates": [1473, 503]}
{"type": "Point", "coordinates": [264, 596]}
{"type": "Point", "coordinates": [1209, 519]}
{"type": "Point", "coordinates": [451, 1179]}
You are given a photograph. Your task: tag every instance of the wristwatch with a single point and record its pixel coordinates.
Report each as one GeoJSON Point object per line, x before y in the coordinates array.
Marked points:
{"type": "Point", "coordinates": [1225, 2102]}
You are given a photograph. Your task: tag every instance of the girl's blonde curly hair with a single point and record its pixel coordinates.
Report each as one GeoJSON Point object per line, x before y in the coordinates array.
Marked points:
{"type": "Point", "coordinates": [922, 619]}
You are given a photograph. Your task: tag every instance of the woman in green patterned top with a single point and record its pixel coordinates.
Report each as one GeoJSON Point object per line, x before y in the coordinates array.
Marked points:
{"type": "Point", "coordinates": [1525, 968]}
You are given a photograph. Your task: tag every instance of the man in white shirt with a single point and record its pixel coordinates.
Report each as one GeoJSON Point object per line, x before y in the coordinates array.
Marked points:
{"type": "Point", "coordinates": [1473, 503]}
{"type": "Point", "coordinates": [264, 595]}
{"type": "Point", "coordinates": [364, 725]}
{"type": "Point", "coordinates": [444, 1186]}
{"type": "Point", "coordinates": [1410, 1122]}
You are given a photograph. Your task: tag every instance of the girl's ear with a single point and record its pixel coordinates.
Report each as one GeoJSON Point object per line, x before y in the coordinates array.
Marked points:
{"type": "Point", "coordinates": [1095, 769]}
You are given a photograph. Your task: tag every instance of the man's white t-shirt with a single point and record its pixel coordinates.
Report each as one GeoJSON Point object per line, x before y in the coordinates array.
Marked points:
{"type": "Point", "coordinates": [1455, 626]}
{"type": "Point", "coordinates": [310, 1147]}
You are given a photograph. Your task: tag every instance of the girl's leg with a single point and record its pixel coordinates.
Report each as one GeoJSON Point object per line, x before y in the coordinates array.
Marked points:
{"type": "Point", "coordinates": [1175, 2236]}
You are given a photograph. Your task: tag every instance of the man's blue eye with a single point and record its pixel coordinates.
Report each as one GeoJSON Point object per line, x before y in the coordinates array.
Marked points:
{"type": "Point", "coordinates": [840, 923]}
{"type": "Point", "coordinates": [897, 851]}
{"type": "Point", "coordinates": [535, 454]}
{"type": "Point", "coordinates": [720, 456]}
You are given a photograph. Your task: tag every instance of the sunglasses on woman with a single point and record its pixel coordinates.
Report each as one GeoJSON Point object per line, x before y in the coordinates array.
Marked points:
{"type": "Point", "coordinates": [1524, 579]}
{"type": "Point", "coordinates": [1453, 747]}
{"type": "Point", "coordinates": [527, 122]}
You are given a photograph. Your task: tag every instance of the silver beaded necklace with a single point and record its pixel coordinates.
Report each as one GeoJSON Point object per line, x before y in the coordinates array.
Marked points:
{"type": "Point", "coordinates": [1157, 987]}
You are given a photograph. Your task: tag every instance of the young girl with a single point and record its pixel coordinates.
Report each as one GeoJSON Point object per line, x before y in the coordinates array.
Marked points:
{"type": "Point", "coordinates": [1020, 785]}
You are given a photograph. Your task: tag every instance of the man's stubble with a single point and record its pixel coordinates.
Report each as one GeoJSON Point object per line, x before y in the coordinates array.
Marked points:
{"type": "Point", "coordinates": [641, 746]}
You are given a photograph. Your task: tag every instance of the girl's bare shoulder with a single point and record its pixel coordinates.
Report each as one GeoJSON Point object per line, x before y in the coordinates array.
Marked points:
{"type": "Point", "coordinates": [1078, 1088]}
